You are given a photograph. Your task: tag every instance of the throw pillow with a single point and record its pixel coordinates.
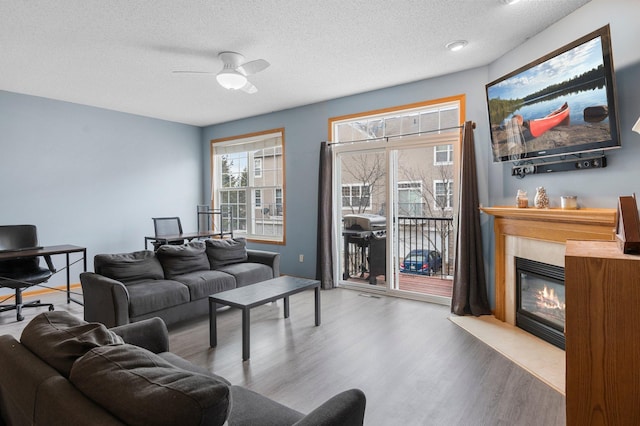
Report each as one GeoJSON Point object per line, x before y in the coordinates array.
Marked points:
{"type": "Point", "coordinates": [226, 252]}
{"type": "Point", "coordinates": [178, 260]}
{"type": "Point", "coordinates": [140, 388]}
{"type": "Point", "coordinates": [59, 338]}
{"type": "Point", "coordinates": [129, 267]}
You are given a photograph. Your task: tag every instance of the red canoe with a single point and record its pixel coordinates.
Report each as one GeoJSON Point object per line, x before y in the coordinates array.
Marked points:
{"type": "Point", "coordinates": [540, 125]}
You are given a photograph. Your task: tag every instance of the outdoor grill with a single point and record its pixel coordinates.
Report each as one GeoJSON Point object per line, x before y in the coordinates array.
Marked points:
{"type": "Point", "coordinates": [365, 246]}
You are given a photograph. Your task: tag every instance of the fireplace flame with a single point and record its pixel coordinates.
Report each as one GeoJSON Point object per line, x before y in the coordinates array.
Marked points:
{"type": "Point", "coordinates": [547, 299]}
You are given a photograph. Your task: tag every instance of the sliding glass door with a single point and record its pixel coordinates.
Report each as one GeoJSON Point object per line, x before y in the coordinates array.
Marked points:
{"type": "Point", "coordinates": [395, 186]}
{"type": "Point", "coordinates": [396, 207]}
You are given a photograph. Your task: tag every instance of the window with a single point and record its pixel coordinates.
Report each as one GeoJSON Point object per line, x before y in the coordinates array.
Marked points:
{"type": "Point", "coordinates": [279, 203]}
{"type": "Point", "coordinates": [356, 197]}
{"type": "Point", "coordinates": [247, 180]}
{"type": "Point", "coordinates": [437, 118]}
{"type": "Point", "coordinates": [443, 190]}
{"type": "Point", "coordinates": [257, 167]}
{"type": "Point", "coordinates": [410, 199]}
{"type": "Point", "coordinates": [443, 155]}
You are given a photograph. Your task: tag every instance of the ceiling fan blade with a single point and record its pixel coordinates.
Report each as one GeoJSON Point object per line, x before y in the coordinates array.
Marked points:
{"type": "Point", "coordinates": [249, 88]}
{"type": "Point", "coordinates": [253, 67]}
{"type": "Point", "coordinates": [191, 72]}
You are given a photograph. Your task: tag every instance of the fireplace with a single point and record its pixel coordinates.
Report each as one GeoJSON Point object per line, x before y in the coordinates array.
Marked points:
{"type": "Point", "coordinates": [540, 300]}
{"type": "Point", "coordinates": [516, 230]}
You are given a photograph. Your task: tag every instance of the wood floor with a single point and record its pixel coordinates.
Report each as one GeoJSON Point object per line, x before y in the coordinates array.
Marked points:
{"type": "Point", "coordinates": [415, 366]}
{"type": "Point", "coordinates": [423, 284]}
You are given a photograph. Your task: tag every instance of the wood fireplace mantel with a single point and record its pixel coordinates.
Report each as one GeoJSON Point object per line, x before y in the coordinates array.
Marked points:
{"type": "Point", "coordinates": [554, 225]}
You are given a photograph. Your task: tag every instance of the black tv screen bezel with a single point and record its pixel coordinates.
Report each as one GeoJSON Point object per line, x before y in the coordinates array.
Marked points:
{"type": "Point", "coordinates": [614, 138]}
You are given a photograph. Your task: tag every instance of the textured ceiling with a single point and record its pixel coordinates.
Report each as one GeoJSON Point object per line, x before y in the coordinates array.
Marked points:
{"type": "Point", "coordinates": [120, 54]}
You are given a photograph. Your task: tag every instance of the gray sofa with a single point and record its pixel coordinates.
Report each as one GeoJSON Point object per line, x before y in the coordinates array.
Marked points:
{"type": "Point", "coordinates": [64, 371]}
{"type": "Point", "coordinates": [172, 283]}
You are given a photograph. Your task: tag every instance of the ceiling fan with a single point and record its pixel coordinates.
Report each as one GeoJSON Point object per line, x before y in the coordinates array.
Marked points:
{"type": "Point", "coordinates": [233, 75]}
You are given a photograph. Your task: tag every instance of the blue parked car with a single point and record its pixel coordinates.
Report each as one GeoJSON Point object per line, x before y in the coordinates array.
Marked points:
{"type": "Point", "coordinates": [422, 262]}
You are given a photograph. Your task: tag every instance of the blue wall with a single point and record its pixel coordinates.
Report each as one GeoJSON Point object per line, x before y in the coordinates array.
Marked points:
{"type": "Point", "coordinates": [92, 177]}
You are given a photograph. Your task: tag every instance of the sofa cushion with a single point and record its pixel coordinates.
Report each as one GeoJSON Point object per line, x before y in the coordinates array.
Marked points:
{"type": "Point", "coordinates": [248, 273]}
{"type": "Point", "coordinates": [59, 338]}
{"type": "Point", "coordinates": [129, 267]}
{"type": "Point", "coordinates": [227, 251]}
{"type": "Point", "coordinates": [182, 363]}
{"type": "Point", "coordinates": [140, 388]}
{"type": "Point", "coordinates": [152, 296]}
{"type": "Point", "coordinates": [178, 260]}
{"type": "Point", "coordinates": [204, 283]}
{"type": "Point", "coordinates": [251, 408]}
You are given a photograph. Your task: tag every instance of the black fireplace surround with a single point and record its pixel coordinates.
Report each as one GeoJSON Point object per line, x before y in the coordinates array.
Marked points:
{"type": "Point", "coordinates": [540, 300]}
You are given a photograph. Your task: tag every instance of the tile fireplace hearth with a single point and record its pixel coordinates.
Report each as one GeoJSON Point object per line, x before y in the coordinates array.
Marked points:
{"type": "Point", "coordinates": [539, 235]}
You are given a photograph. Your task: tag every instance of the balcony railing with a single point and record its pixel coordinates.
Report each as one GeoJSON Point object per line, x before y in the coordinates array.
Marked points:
{"type": "Point", "coordinates": [427, 233]}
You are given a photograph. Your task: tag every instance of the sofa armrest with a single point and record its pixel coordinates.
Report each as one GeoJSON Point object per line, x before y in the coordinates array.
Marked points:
{"type": "Point", "coordinates": [269, 258]}
{"type": "Point", "coordinates": [344, 409]}
{"type": "Point", "coordinates": [105, 300]}
{"type": "Point", "coordinates": [150, 334]}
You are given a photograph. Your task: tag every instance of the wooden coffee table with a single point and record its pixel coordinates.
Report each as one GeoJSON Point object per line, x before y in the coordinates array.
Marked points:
{"type": "Point", "coordinates": [258, 294]}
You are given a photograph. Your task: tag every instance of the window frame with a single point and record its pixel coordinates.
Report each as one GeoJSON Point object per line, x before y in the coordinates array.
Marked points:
{"type": "Point", "coordinates": [361, 186]}
{"type": "Point", "coordinates": [449, 193]}
{"type": "Point", "coordinates": [257, 171]}
{"type": "Point", "coordinates": [250, 221]}
{"type": "Point", "coordinates": [257, 198]}
{"type": "Point", "coordinates": [449, 152]}
{"type": "Point", "coordinates": [415, 186]}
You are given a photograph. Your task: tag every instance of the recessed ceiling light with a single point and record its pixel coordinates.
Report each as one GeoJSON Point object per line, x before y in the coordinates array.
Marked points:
{"type": "Point", "coordinates": [454, 46]}
{"type": "Point", "coordinates": [508, 2]}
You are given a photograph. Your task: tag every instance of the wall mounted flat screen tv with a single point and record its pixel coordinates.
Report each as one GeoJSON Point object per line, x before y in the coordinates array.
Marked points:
{"type": "Point", "coordinates": [563, 103]}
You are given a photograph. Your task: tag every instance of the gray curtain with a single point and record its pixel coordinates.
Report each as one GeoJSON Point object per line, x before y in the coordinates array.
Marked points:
{"type": "Point", "coordinates": [469, 284]}
{"type": "Point", "coordinates": [324, 262]}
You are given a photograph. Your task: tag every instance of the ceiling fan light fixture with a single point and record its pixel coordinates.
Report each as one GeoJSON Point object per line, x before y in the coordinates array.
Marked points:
{"type": "Point", "coordinates": [454, 46]}
{"type": "Point", "coordinates": [231, 79]}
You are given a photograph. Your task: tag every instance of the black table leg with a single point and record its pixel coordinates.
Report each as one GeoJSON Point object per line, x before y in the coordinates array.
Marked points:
{"type": "Point", "coordinates": [68, 281]}
{"type": "Point", "coordinates": [246, 319]}
{"type": "Point", "coordinates": [317, 296]}
{"type": "Point", "coordinates": [286, 307]}
{"type": "Point", "coordinates": [213, 334]}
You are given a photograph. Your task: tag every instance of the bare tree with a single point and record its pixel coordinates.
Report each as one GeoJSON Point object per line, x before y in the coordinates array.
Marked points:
{"type": "Point", "coordinates": [368, 172]}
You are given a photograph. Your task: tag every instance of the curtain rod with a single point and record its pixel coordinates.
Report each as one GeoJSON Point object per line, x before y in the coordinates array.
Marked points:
{"type": "Point", "coordinates": [386, 138]}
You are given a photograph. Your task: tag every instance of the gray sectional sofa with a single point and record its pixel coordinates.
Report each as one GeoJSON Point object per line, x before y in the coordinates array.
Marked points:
{"type": "Point", "coordinates": [64, 371]}
{"type": "Point", "coordinates": [172, 283]}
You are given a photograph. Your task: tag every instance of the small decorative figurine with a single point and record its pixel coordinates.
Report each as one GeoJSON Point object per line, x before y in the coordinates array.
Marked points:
{"type": "Point", "coordinates": [522, 201]}
{"type": "Point", "coordinates": [541, 200]}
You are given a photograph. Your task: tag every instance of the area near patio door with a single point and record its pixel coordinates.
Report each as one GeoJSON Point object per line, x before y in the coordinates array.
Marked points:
{"type": "Point", "coordinates": [395, 188]}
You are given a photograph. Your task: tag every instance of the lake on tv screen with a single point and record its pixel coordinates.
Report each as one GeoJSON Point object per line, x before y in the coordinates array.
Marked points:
{"type": "Point", "coordinates": [577, 102]}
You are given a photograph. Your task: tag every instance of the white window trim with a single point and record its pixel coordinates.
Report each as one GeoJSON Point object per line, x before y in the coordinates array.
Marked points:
{"type": "Point", "coordinates": [449, 155]}
{"type": "Point", "coordinates": [248, 144]}
{"type": "Point", "coordinates": [257, 198]}
{"type": "Point", "coordinates": [257, 171]}
{"type": "Point", "coordinates": [449, 194]}
{"type": "Point", "coordinates": [359, 185]}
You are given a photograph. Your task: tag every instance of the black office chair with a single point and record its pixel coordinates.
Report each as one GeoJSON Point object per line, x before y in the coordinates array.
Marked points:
{"type": "Point", "coordinates": [19, 273]}
{"type": "Point", "coordinates": [166, 226]}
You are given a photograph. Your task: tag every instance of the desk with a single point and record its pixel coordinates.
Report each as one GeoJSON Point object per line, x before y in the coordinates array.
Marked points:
{"type": "Point", "coordinates": [66, 249]}
{"type": "Point", "coordinates": [166, 239]}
